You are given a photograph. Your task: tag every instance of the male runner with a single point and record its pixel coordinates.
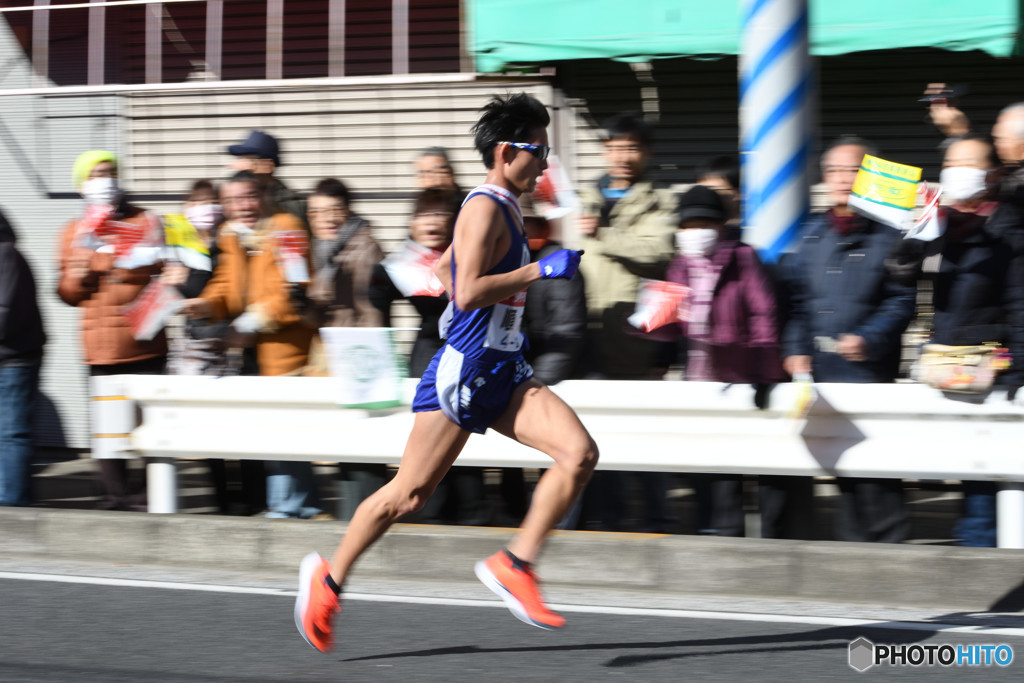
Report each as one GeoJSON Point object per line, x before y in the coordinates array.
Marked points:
{"type": "Point", "coordinates": [478, 380]}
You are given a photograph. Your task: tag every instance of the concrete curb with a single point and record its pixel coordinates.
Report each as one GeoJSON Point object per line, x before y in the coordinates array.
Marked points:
{"type": "Point", "coordinates": [936, 577]}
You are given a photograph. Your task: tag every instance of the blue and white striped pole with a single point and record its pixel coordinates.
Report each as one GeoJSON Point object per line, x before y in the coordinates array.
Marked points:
{"type": "Point", "coordinates": [775, 122]}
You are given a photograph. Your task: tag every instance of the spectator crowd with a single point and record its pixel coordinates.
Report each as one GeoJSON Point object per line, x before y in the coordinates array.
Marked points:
{"type": "Point", "coordinates": [267, 266]}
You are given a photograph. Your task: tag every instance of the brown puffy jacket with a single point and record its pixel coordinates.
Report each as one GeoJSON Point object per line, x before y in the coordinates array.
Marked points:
{"type": "Point", "coordinates": [251, 280]}
{"type": "Point", "coordinates": [103, 292]}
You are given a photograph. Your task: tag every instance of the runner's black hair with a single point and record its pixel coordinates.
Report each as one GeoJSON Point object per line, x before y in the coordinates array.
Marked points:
{"type": "Point", "coordinates": [507, 119]}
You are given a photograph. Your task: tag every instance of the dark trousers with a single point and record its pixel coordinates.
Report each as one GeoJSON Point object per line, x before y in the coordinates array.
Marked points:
{"type": "Point", "coordinates": [606, 501]}
{"type": "Point", "coordinates": [719, 504]}
{"type": "Point", "coordinates": [787, 507]}
{"type": "Point", "coordinates": [239, 485]}
{"type": "Point", "coordinates": [356, 483]}
{"type": "Point", "coordinates": [120, 491]}
{"type": "Point", "coordinates": [871, 510]}
{"type": "Point", "coordinates": [460, 498]}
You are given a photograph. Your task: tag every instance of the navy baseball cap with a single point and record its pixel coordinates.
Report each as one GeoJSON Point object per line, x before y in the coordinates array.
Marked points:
{"type": "Point", "coordinates": [259, 144]}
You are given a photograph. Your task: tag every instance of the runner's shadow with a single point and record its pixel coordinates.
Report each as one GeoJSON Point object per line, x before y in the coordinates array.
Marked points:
{"type": "Point", "coordinates": [1005, 612]}
{"type": "Point", "coordinates": [837, 637]}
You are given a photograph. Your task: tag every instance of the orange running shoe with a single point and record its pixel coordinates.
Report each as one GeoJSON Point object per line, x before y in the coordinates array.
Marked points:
{"type": "Point", "coordinates": [316, 604]}
{"type": "Point", "coordinates": [518, 588]}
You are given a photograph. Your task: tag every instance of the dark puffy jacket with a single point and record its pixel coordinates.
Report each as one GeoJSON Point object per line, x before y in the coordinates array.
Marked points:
{"type": "Point", "coordinates": [555, 321]}
{"type": "Point", "coordinates": [21, 327]}
{"type": "Point", "coordinates": [282, 198]}
{"type": "Point", "coordinates": [838, 284]}
{"type": "Point", "coordinates": [979, 296]}
{"type": "Point", "coordinates": [1007, 222]}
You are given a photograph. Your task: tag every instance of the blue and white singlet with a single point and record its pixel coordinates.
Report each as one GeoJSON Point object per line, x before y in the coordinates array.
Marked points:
{"type": "Point", "coordinates": [492, 333]}
{"type": "Point", "coordinates": [472, 378]}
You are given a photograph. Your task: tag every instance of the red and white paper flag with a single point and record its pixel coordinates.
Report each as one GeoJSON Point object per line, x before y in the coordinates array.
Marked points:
{"type": "Point", "coordinates": [292, 248]}
{"type": "Point", "coordinates": [148, 314]}
{"type": "Point", "coordinates": [932, 222]}
{"type": "Point", "coordinates": [133, 245]}
{"type": "Point", "coordinates": [411, 269]}
{"type": "Point", "coordinates": [660, 303]}
{"type": "Point", "coordinates": [555, 192]}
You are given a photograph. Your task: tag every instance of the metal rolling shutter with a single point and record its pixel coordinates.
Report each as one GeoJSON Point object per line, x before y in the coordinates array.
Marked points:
{"type": "Point", "coordinates": [873, 94]}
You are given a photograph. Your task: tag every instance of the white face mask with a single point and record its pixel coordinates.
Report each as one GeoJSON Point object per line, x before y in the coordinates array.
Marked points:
{"type": "Point", "coordinates": [204, 216]}
{"type": "Point", "coordinates": [697, 241]}
{"type": "Point", "coordinates": [101, 191]}
{"type": "Point", "coordinates": [961, 184]}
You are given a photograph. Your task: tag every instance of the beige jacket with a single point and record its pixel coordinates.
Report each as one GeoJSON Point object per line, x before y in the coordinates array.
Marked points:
{"type": "Point", "coordinates": [637, 240]}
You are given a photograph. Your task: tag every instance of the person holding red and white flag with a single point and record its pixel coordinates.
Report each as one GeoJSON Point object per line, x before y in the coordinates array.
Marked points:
{"type": "Point", "coordinates": [108, 256]}
{"type": "Point", "coordinates": [408, 272]}
{"type": "Point", "coordinates": [727, 320]}
{"type": "Point", "coordinates": [257, 286]}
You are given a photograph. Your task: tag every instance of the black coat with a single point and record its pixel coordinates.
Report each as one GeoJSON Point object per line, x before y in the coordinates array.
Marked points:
{"type": "Point", "coordinates": [21, 327]}
{"type": "Point", "coordinates": [555, 322]}
{"type": "Point", "coordinates": [838, 284]}
{"type": "Point", "coordinates": [979, 295]}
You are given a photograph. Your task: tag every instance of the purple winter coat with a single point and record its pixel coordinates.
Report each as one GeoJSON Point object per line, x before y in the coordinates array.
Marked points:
{"type": "Point", "coordinates": [744, 333]}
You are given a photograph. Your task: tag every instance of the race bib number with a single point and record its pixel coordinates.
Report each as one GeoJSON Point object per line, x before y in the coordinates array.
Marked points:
{"type": "Point", "coordinates": [503, 331]}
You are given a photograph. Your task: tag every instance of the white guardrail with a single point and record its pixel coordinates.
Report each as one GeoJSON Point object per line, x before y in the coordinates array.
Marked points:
{"type": "Point", "coordinates": [905, 431]}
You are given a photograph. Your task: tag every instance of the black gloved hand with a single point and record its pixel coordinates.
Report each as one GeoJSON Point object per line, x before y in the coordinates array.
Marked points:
{"type": "Point", "coordinates": [761, 393]}
{"type": "Point", "coordinates": [299, 296]}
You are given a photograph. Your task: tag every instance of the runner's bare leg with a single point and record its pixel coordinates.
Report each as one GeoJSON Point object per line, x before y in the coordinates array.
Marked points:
{"type": "Point", "coordinates": [434, 444]}
{"type": "Point", "coordinates": [536, 417]}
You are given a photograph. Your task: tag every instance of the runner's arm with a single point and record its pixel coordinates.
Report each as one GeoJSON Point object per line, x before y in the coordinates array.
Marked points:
{"type": "Point", "coordinates": [443, 270]}
{"type": "Point", "coordinates": [478, 234]}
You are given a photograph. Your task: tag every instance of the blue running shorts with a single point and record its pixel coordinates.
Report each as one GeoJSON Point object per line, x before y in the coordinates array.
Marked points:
{"type": "Point", "coordinates": [472, 395]}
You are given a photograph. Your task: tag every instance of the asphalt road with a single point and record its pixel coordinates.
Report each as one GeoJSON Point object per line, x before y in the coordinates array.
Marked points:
{"type": "Point", "coordinates": [114, 631]}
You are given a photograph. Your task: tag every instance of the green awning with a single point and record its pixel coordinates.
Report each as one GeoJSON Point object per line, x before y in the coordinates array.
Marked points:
{"type": "Point", "coordinates": [534, 31]}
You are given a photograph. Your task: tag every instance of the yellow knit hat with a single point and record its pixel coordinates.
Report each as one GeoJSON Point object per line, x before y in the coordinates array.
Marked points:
{"type": "Point", "coordinates": [86, 161]}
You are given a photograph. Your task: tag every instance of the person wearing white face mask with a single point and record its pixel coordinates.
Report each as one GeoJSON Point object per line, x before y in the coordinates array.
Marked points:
{"type": "Point", "coordinates": [94, 279]}
{"type": "Point", "coordinates": [732, 334]}
{"type": "Point", "coordinates": [198, 349]}
{"type": "Point", "coordinates": [978, 293]}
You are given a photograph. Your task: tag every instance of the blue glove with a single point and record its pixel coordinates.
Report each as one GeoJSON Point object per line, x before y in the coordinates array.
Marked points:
{"type": "Point", "coordinates": [563, 263]}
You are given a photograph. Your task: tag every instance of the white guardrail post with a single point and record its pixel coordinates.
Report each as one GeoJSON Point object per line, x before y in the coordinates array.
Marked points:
{"type": "Point", "coordinates": [114, 418]}
{"type": "Point", "coordinates": [1010, 515]}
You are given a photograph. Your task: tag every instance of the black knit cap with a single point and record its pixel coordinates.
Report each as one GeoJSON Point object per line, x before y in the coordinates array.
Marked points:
{"type": "Point", "coordinates": [701, 202]}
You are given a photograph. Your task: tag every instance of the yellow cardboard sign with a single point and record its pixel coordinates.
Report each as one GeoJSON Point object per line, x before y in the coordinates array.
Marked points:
{"type": "Point", "coordinates": [887, 183]}
{"type": "Point", "coordinates": [179, 232]}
